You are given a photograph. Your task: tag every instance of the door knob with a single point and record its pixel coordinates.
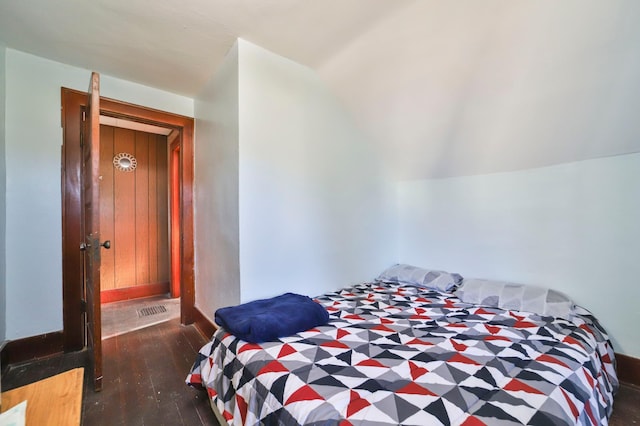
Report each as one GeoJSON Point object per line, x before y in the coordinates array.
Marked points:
{"type": "Point", "coordinates": [85, 246]}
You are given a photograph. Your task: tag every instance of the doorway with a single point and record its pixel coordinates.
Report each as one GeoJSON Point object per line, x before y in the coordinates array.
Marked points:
{"type": "Point", "coordinates": [134, 183]}
{"type": "Point", "coordinates": [134, 216]}
{"type": "Point", "coordinates": [74, 103]}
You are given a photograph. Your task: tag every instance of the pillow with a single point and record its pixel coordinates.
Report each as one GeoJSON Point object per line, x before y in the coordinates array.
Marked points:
{"type": "Point", "coordinates": [420, 277]}
{"type": "Point", "coordinates": [517, 297]}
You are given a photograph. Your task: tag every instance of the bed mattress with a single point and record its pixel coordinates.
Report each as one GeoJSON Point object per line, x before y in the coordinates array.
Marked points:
{"type": "Point", "coordinates": [394, 354]}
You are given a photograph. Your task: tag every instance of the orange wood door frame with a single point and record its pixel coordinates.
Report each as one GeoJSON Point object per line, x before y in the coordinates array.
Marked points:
{"type": "Point", "coordinates": [174, 215]}
{"type": "Point", "coordinates": [73, 106]}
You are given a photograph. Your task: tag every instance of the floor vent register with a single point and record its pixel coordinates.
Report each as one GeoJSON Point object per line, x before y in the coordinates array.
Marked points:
{"type": "Point", "coordinates": [151, 310]}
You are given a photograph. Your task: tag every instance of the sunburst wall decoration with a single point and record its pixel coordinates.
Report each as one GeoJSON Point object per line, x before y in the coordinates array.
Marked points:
{"type": "Point", "coordinates": [125, 162]}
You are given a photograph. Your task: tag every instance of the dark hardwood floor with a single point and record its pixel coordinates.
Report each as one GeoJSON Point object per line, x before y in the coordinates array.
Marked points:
{"type": "Point", "coordinates": [143, 382]}
{"type": "Point", "coordinates": [144, 374]}
{"type": "Point", "coordinates": [626, 406]}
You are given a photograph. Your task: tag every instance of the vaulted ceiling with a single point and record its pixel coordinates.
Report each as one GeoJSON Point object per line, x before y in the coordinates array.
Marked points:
{"type": "Point", "coordinates": [442, 88]}
{"type": "Point", "coordinates": [176, 45]}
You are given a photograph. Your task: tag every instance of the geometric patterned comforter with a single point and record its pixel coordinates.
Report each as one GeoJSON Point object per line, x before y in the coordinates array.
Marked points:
{"type": "Point", "coordinates": [394, 354]}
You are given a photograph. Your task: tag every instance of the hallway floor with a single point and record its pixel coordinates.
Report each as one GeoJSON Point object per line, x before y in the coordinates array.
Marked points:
{"type": "Point", "coordinates": [130, 315]}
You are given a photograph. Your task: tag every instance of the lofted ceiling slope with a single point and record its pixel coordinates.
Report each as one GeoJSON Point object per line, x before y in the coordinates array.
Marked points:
{"type": "Point", "coordinates": [441, 88]}
{"type": "Point", "coordinates": [482, 86]}
{"type": "Point", "coordinates": [177, 45]}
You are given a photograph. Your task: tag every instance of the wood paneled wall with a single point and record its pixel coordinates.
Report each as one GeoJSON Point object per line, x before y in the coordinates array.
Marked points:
{"type": "Point", "coordinates": [134, 210]}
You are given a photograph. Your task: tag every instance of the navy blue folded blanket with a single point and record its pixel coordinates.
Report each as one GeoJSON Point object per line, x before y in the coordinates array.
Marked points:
{"type": "Point", "coordinates": [268, 319]}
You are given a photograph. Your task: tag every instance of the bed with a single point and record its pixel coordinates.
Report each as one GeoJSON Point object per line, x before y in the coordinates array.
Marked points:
{"type": "Point", "coordinates": [400, 354]}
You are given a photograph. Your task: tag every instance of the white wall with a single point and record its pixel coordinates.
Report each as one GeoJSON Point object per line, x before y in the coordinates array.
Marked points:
{"type": "Point", "coordinates": [473, 87]}
{"type": "Point", "coordinates": [3, 206]}
{"type": "Point", "coordinates": [33, 194]}
{"type": "Point", "coordinates": [217, 265]}
{"type": "Point", "coordinates": [289, 195]}
{"type": "Point", "coordinates": [313, 200]}
{"type": "Point", "coordinates": [464, 88]}
{"type": "Point", "coordinates": [573, 227]}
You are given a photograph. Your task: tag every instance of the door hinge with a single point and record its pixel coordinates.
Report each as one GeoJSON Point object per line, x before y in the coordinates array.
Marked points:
{"type": "Point", "coordinates": [84, 119]}
{"type": "Point", "coordinates": [83, 305]}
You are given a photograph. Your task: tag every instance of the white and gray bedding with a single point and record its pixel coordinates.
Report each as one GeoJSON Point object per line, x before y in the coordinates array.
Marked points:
{"type": "Point", "coordinates": [402, 354]}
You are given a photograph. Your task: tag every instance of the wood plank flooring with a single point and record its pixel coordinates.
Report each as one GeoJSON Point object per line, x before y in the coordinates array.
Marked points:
{"type": "Point", "coordinates": [626, 406]}
{"type": "Point", "coordinates": [143, 382]}
{"type": "Point", "coordinates": [144, 376]}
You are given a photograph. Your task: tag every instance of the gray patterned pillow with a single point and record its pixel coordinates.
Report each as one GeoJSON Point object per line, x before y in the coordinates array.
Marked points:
{"type": "Point", "coordinates": [420, 277]}
{"type": "Point", "coordinates": [516, 297]}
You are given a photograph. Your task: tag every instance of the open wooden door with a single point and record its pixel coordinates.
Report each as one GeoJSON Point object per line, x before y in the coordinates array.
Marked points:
{"type": "Point", "coordinates": [91, 229]}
